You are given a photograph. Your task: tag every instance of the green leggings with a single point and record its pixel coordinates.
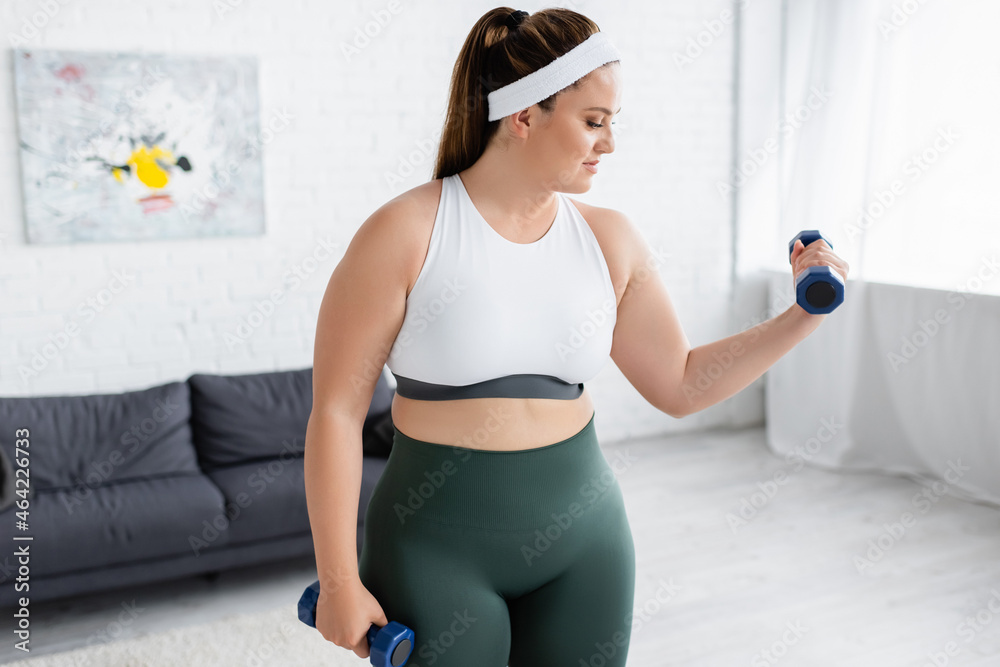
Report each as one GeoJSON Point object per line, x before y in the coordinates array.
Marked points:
{"type": "Point", "coordinates": [493, 558]}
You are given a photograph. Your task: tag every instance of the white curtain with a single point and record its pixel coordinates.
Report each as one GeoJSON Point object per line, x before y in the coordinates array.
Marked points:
{"type": "Point", "coordinates": [830, 81]}
{"type": "Point", "coordinates": [890, 136]}
{"type": "Point", "coordinates": [902, 378]}
{"type": "Point", "coordinates": [898, 379]}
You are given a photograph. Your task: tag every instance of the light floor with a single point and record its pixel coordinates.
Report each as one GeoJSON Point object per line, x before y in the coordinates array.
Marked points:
{"type": "Point", "coordinates": [783, 589]}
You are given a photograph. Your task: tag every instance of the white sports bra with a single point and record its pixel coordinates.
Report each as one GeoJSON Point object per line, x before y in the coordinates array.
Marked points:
{"type": "Point", "coordinates": [489, 317]}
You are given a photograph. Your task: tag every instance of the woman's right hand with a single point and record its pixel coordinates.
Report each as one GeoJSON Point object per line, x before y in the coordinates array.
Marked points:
{"type": "Point", "coordinates": [344, 615]}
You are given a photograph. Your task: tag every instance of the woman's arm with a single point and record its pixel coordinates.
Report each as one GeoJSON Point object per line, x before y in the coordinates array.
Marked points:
{"type": "Point", "coordinates": [716, 371]}
{"type": "Point", "coordinates": [654, 354]}
{"type": "Point", "coordinates": [333, 486]}
{"type": "Point", "coordinates": [359, 317]}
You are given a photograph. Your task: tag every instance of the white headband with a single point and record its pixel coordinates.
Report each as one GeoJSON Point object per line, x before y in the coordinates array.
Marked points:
{"type": "Point", "coordinates": [541, 84]}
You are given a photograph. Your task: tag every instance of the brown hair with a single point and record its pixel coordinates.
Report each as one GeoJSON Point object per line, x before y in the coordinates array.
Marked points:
{"type": "Point", "coordinates": [492, 56]}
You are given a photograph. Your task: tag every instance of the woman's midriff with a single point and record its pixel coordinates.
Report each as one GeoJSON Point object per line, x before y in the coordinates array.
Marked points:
{"type": "Point", "coordinates": [503, 424]}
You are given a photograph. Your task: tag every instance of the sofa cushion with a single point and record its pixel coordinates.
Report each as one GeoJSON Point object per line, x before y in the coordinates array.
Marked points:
{"type": "Point", "coordinates": [241, 418]}
{"type": "Point", "coordinates": [81, 442]}
{"type": "Point", "coordinates": [267, 499]}
{"type": "Point", "coordinates": [125, 522]}
{"type": "Point", "coordinates": [7, 481]}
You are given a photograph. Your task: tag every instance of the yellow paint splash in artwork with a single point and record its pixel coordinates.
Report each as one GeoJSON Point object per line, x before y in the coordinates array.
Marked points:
{"type": "Point", "coordinates": [143, 161]}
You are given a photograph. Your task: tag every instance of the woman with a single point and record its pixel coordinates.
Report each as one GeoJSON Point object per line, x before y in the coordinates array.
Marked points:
{"type": "Point", "coordinates": [497, 531]}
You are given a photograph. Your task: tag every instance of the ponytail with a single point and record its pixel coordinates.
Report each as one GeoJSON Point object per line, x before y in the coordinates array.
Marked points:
{"type": "Point", "coordinates": [493, 56]}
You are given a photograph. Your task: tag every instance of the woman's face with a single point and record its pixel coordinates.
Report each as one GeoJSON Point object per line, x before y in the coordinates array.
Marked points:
{"type": "Point", "coordinates": [576, 132]}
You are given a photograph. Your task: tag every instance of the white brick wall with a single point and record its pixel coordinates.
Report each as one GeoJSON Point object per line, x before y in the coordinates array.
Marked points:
{"type": "Point", "coordinates": [355, 122]}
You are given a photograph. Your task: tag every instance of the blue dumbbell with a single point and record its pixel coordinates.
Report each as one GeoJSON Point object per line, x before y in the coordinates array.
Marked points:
{"type": "Point", "coordinates": [818, 289]}
{"type": "Point", "coordinates": [390, 645]}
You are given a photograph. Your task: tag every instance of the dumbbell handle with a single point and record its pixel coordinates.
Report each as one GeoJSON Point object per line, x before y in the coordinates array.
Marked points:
{"type": "Point", "coordinates": [390, 645]}
{"type": "Point", "coordinates": [807, 236]}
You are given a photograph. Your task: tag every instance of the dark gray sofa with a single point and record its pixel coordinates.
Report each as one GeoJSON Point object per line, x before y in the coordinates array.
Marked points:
{"type": "Point", "coordinates": [179, 479]}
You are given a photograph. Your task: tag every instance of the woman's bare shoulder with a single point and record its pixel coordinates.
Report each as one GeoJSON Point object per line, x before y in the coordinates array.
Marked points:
{"type": "Point", "coordinates": [609, 222]}
{"type": "Point", "coordinates": [400, 229]}
{"type": "Point", "coordinates": [411, 207]}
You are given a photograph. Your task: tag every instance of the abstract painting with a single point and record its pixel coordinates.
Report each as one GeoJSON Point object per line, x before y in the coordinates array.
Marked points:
{"type": "Point", "coordinates": [123, 146]}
